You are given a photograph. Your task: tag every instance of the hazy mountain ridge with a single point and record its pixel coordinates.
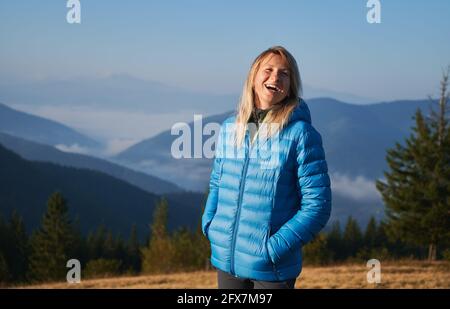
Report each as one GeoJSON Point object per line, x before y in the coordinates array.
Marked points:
{"type": "Point", "coordinates": [44, 153]}
{"type": "Point", "coordinates": [41, 130]}
{"type": "Point", "coordinates": [355, 139]}
{"type": "Point", "coordinates": [94, 198]}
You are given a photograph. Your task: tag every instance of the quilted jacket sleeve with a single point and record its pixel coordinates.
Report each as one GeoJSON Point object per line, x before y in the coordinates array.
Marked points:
{"type": "Point", "coordinates": [211, 202]}
{"type": "Point", "coordinates": [315, 197]}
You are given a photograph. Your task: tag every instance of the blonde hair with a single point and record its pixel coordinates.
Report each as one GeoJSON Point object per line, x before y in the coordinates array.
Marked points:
{"type": "Point", "coordinates": [279, 114]}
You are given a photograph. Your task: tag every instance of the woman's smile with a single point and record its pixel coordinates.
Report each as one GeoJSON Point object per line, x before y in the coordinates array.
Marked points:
{"type": "Point", "coordinates": [272, 82]}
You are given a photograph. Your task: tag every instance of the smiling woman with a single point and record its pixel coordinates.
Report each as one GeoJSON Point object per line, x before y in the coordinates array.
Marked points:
{"type": "Point", "coordinates": [271, 82]}
{"type": "Point", "coordinates": [274, 83]}
{"type": "Point", "coordinates": [257, 215]}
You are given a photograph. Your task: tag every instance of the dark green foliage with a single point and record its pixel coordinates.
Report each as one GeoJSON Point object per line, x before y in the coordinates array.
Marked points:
{"type": "Point", "coordinates": [181, 250]}
{"type": "Point", "coordinates": [4, 274]}
{"type": "Point", "coordinates": [20, 248]}
{"type": "Point", "coordinates": [103, 246]}
{"type": "Point", "coordinates": [96, 243]}
{"type": "Point", "coordinates": [184, 253]}
{"type": "Point", "coordinates": [14, 248]}
{"type": "Point", "coordinates": [133, 255]}
{"type": "Point", "coordinates": [102, 268]}
{"type": "Point", "coordinates": [352, 237]}
{"type": "Point", "coordinates": [417, 187]}
{"type": "Point", "coordinates": [370, 236]}
{"type": "Point", "coordinates": [335, 243]}
{"type": "Point", "coordinates": [53, 244]}
{"type": "Point", "coordinates": [317, 251]}
{"type": "Point", "coordinates": [157, 257]}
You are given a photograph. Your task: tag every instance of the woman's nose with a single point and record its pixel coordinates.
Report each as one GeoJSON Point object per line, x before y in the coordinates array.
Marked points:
{"type": "Point", "coordinates": [275, 76]}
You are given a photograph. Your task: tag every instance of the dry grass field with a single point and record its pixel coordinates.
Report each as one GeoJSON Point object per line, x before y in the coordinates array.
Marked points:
{"type": "Point", "coordinates": [406, 274]}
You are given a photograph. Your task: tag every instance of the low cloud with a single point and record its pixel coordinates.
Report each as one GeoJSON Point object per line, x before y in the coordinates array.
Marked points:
{"type": "Point", "coordinates": [358, 188]}
{"type": "Point", "coordinates": [115, 129]}
{"type": "Point", "coordinates": [116, 146]}
{"type": "Point", "coordinates": [75, 148]}
{"type": "Point", "coordinates": [112, 126]}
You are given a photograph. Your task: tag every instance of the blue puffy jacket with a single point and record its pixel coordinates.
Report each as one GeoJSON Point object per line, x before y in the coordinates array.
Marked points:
{"type": "Point", "coordinates": [257, 215]}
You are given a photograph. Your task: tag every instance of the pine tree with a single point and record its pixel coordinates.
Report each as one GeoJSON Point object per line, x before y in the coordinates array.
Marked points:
{"type": "Point", "coordinates": [4, 274]}
{"type": "Point", "coordinates": [335, 242]}
{"type": "Point", "coordinates": [157, 257]}
{"type": "Point", "coordinates": [317, 252]}
{"type": "Point", "coordinates": [52, 244]}
{"type": "Point", "coordinates": [370, 234]}
{"type": "Point", "coordinates": [352, 237]}
{"type": "Point", "coordinates": [110, 246]}
{"type": "Point", "coordinates": [4, 248]}
{"type": "Point", "coordinates": [381, 238]}
{"type": "Point", "coordinates": [133, 251]}
{"type": "Point", "coordinates": [18, 257]}
{"type": "Point", "coordinates": [120, 252]}
{"type": "Point", "coordinates": [184, 253]}
{"type": "Point", "coordinates": [373, 245]}
{"type": "Point", "coordinates": [417, 188]}
{"type": "Point", "coordinates": [79, 245]}
{"type": "Point", "coordinates": [96, 243]}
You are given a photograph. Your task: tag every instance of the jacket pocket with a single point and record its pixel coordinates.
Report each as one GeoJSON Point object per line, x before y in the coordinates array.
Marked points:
{"type": "Point", "coordinates": [207, 230]}
{"type": "Point", "coordinates": [269, 260]}
{"type": "Point", "coordinates": [266, 246]}
{"type": "Point", "coordinates": [220, 170]}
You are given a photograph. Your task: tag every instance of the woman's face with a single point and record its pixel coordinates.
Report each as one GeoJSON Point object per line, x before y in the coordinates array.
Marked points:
{"type": "Point", "coordinates": [272, 81]}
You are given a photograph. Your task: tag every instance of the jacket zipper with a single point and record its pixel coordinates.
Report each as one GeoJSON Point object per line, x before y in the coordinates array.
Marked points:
{"type": "Point", "coordinates": [238, 213]}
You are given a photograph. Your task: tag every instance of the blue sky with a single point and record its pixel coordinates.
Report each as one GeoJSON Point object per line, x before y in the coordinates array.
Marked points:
{"type": "Point", "coordinates": [208, 46]}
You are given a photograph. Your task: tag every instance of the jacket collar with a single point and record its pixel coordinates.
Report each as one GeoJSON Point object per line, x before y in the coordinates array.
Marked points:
{"type": "Point", "coordinates": [300, 113]}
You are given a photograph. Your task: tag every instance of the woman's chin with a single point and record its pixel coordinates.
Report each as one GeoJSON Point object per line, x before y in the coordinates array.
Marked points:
{"type": "Point", "coordinates": [269, 99]}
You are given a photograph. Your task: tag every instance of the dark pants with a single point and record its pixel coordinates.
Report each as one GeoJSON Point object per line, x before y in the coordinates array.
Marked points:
{"type": "Point", "coordinates": [227, 281]}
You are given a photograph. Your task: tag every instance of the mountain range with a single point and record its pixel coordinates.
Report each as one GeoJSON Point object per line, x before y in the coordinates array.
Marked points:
{"type": "Point", "coordinates": [355, 139]}
{"type": "Point", "coordinates": [44, 153]}
{"type": "Point", "coordinates": [94, 198]}
{"type": "Point", "coordinates": [41, 130]}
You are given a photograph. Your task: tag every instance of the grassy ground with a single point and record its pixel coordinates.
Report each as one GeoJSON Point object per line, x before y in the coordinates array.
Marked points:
{"type": "Point", "coordinates": [408, 274]}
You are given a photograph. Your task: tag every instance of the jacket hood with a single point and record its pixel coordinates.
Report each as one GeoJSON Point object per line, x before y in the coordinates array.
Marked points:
{"type": "Point", "coordinates": [300, 112]}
